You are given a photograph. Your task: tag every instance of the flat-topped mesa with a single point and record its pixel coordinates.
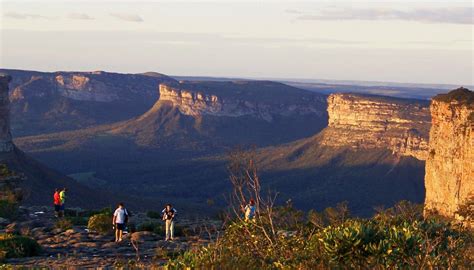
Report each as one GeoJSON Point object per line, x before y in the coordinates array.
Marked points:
{"type": "Point", "coordinates": [259, 99]}
{"type": "Point", "coordinates": [449, 173]}
{"type": "Point", "coordinates": [193, 103]}
{"type": "Point", "coordinates": [363, 121]}
{"type": "Point", "coordinates": [6, 144]}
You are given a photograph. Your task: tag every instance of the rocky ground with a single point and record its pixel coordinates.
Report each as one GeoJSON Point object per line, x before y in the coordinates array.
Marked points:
{"type": "Point", "coordinates": [79, 248]}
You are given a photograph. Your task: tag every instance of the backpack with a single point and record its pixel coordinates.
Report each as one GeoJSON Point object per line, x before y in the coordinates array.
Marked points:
{"type": "Point", "coordinates": [127, 215]}
{"type": "Point", "coordinates": [168, 214]}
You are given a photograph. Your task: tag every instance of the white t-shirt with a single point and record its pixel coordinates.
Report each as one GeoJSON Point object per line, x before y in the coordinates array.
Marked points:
{"type": "Point", "coordinates": [120, 215]}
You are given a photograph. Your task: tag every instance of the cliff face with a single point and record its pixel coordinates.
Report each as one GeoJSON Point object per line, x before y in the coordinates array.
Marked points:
{"type": "Point", "coordinates": [6, 144]}
{"type": "Point", "coordinates": [365, 122]}
{"type": "Point", "coordinates": [236, 99]}
{"type": "Point", "coordinates": [449, 178]}
{"type": "Point", "coordinates": [84, 86]}
{"type": "Point", "coordinates": [193, 103]}
{"type": "Point", "coordinates": [80, 87]}
{"type": "Point", "coordinates": [43, 102]}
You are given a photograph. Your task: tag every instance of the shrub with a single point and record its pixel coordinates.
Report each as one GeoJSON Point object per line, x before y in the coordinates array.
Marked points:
{"type": "Point", "coordinates": [147, 226]}
{"type": "Point", "coordinates": [354, 243]}
{"type": "Point", "coordinates": [8, 209]}
{"type": "Point", "coordinates": [362, 243]}
{"type": "Point", "coordinates": [106, 210]}
{"type": "Point", "coordinates": [63, 224]}
{"type": "Point", "coordinates": [101, 223]}
{"type": "Point", "coordinates": [153, 214]}
{"type": "Point", "coordinates": [15, 246]}
{"type": "Point", "coordinates": [78, 221]}
{"type": "Point", "coordinates": [159, 228]}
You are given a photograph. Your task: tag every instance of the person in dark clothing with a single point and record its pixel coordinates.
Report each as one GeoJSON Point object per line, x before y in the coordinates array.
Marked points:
{"type": "Point", "coordinates": [169, 214]}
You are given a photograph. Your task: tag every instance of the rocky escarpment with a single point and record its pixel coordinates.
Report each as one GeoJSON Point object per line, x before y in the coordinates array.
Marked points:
{"type": "Point", "coordinates": [449, 178]}
{"type": "Point", "coordinates": [6, 144]}
{"type": "Point", "coordinates": [43, 102]}
{"type": "Point", "coordinates": [365, 122]}
{"type": "Point", "coordinates": [96, 86]}
{"type": "Point", "coordinates": [263, 100]}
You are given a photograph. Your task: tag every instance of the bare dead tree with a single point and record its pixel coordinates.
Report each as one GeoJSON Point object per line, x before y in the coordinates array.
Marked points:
{"type": "Point", "coordinates": [243, 175]}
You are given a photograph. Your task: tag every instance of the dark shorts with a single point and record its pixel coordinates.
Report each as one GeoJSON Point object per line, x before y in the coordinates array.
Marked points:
{"type": "Point", "coordinates": [120, 226]}
{"type": "Point", "coordinates": [57, 207]}
{"type": "Point", "coordinates": [61, 207]}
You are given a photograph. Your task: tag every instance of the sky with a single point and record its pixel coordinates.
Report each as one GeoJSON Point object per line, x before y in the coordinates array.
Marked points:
{"type": "Point", "coordinates": [393, 41]}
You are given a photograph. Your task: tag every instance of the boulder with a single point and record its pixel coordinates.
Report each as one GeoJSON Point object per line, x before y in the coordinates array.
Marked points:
{"type": "Point", "coordinates": [144, 236]}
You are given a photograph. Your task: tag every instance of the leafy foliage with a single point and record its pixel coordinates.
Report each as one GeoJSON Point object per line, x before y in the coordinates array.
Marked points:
{"type": "Point", "coordinates": [154, 214]}
{"type": "Point", "coordinates": [101, 223]}
{"type": "Point", "coordinates": [159, 228]}
{"type": "Point", "coordinates": [8, 209]}
{"type": "Point", "coordinates": [15, 246]}
{"type": "Point", "coordinates": [396, 238]}
{"type": "Point", "coordinates": [63, 224]}
{"type": "Point", "coordinates": [362, 243]}
{"type": "Point", "coordinates": [10, 194]}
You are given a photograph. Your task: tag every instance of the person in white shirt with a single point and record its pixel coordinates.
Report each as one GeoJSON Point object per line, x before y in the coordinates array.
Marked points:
{"type": "Point", "coordinates": [249, 211]}
{"type": "Point", "coordinates": [119, 220]}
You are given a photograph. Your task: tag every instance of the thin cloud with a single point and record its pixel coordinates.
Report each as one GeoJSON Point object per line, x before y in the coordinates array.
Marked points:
{"type": "Point", "coordinates": [127, 17]}
{"type": "Point", "coordinates": [80, 16]}
{"type": "Point", "coordinates": [455, 15]}
{"type": "Point", "coordinates": [293, 11]}
{"type": "Point", "coordinates": [24, 16]}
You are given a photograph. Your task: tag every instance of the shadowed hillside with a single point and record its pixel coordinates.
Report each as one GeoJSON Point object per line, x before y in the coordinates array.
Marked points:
{"type": "Point", "coordinates": [43, 102]}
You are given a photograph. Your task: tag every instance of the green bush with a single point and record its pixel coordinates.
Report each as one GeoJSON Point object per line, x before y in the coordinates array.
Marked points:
{"type": "Point", "coordinates": [154, 214]}
{"type": "Point", "coordinates": [90, 213]}
{"type": "Point", "coordinates": [63, 224]}
{"type": "Point", "coordinates": [101, 223]}
{"type": "Point", "coordinates": [396, 238]}
{"type": "Point", "coordinates": [159, 228]}
{"type": "Point", "coordinates": [362, 243]}
{"type": "Point", "coordinates": [15, 246]}
{"type": "Point", "coordinates": [78, 221]}
{"type": "Point", "coordinates": [8, 209]}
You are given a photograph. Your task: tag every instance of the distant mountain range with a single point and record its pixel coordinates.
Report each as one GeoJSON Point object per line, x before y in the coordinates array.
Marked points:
{"type": "Point", "coordinates": [403, 90]}
{"type": "Point", "coordinates": [370, 150]}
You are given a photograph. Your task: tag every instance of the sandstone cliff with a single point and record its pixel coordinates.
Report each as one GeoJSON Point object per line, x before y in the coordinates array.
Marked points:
{"type": "Point", "coordinates": [95, 86]}
{"type": "Point", "coordinates": [260, 99]}
{"type": "Point", "coordinates": [370, 154]}
{"type": "Point", "coordinates": [365, 122]}
{"type": "Point", "coordinates": [43, 102]}
{"type": "Point", "coordinates": [449, 178]}
{"type": "Point", "coordinates": [6, 144]}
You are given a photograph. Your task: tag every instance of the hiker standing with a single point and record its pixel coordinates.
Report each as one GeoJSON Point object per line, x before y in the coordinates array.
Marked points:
{"type": "Point", "coordinates": [119, 221]}
{"type": "Point", "coordinates": [249, 210]}
{"type": "Point", "coordinates": [57, 203]}
{"type": "Point", "coordinates": [169, 214]}
{"type": "Point", "coordinates": [62, 197]}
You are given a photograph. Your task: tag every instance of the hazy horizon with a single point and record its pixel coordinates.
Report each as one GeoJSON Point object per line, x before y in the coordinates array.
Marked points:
{"type": "Point", "coordinates": [400, 42]}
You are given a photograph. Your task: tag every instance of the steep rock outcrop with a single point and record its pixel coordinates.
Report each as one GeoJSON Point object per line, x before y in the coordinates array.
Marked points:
{"type": "Point", "coordinates": [449, 178]}
{"type": "Point", "coordinates": [241, 98]}
{"type": "Point", "coordinates": [43, 102]}
{"type": "Point", "coordinates": [6, 144]}
{"type": "Point", "coordinates": [365, 122]}
{"type": "Point", "coordinates": [81, 87]}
